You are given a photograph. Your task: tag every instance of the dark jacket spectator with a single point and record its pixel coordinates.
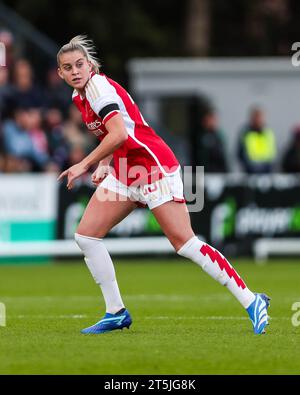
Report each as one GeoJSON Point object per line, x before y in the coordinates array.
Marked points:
{"type": "Point", "coordinates": [291, 157]}
{"type": "Point", "coordinates": [59, 147]}
{"type": "Point", "coordinates": [24, 93]}
{"type": "Point", "coordinates": [57, 93]}
{"type": "Point", "coordinates": [211, 152]}
{"type": "Point", "coordinates": [5, 91]}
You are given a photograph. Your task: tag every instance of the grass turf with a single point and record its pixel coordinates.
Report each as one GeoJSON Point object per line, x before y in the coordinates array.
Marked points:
{"type": "Point", "coordinates": [184, 322]}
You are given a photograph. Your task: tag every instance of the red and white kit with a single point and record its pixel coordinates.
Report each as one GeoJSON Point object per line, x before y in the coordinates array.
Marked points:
{"type": "Point", "coordinates": [144, 160]}
{"type": "Point", "coordinates": [104, 99]}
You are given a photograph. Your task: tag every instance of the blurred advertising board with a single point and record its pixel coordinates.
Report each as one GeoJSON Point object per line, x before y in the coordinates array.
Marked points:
{"type": "Point", "coordinates": [239, 209]}
{"type": "Point", "coordinates": [28, 207]}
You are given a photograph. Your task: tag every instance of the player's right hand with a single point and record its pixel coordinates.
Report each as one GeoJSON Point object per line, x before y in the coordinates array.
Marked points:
{"type": "Point", "coordinates": [73, 173]}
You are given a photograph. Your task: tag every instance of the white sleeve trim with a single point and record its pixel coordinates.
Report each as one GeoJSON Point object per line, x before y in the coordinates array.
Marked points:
{"type": "Point", "coordinates": [100, 93]}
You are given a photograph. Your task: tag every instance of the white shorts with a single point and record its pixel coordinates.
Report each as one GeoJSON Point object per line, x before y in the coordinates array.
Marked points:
{"type": "Point", "coordinates": [152, 195]}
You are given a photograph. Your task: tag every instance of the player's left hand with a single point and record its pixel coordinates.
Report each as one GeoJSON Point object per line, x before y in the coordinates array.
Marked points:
{"type": "Point", "coordinates": [73, 173]}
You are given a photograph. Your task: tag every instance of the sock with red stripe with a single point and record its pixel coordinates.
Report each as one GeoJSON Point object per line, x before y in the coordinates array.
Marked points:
{"type": "Point", "coordinates": [217, 266]}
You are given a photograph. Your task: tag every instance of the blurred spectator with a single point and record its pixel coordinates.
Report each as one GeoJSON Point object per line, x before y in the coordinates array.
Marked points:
{"type": "Point", "coordinates": [257, 145]}
{"type": "Point", "coordinates": [58, 94]}
{"type": "Point", "coordinates": [75, 131]}
{"type": "Point", "coordinates": [58, 146]}
{"type": "Point", "coordinates": [7, 38]}
{"type": "Point", "coordinates": [40, 140]}
{"type": "Point", "coordinates": [5, 90]}
{"type": "Point", "coordinates": [37, 134]}
{"type": "Point", "coordinates": [211, 152]}
{"type": "Point", "coordinates": [178, 144]}
{"type": "Point", "coordinates": [76, 155]}
{"type": "Point", "coordinates": [2, 162]}
{"type": "Point", "coordinates": [25, 93]}
{"type": "Point", "coordinates": [291, 157]}
{"type": "Point", "coordinates": [13, 164]}
{"type": "Point", "coordinates": [23, 154]}
{"type": "Point", "coordinates": [2, 154]}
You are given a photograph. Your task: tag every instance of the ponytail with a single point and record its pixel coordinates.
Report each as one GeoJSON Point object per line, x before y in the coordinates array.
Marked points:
{"type": "Point", "coordinates": [86, 46]}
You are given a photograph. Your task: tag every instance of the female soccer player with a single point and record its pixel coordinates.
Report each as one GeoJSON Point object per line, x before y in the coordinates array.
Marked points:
{"type": "Point", "coordinates": [146, 172]}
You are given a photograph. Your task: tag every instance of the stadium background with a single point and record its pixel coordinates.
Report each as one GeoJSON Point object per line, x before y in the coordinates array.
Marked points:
{"type": "Point", "coordinates": [180, 61]}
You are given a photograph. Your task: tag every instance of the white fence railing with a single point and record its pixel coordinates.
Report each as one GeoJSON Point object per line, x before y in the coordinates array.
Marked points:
{"type": "Point", "coordinates": [265, 247]}
{"type": "Point", "coordinates": [122, 246]}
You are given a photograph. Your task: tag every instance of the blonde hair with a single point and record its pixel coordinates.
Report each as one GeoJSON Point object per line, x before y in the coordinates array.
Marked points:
{"type": "Point", "coordinates": [86, 46]}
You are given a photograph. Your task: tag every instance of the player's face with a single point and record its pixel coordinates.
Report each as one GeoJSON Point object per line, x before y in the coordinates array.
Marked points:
{"type": "Point", "coordinates": [75, 69]}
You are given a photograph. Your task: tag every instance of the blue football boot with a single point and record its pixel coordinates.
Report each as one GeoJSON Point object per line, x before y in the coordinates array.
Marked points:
{"type": "Point", "coordinates": [258, 313]}
{"type": "Point", "coordinates": [110, 322]}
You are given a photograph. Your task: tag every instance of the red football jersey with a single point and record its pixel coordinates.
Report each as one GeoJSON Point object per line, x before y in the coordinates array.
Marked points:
{"type": "Point", "coordinates": [144, 152]}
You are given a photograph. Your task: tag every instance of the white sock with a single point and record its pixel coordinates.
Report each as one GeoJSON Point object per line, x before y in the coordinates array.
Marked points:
{"type": "Point", "coordinates": [216, 265]}
{"type": "Point", "coordinates": [102, 269]}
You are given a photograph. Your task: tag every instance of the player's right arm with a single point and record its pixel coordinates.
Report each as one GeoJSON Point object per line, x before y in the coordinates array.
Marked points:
{"type": "Point", "coordinates": [104, 102]}
{"type": "Point", "coordinates": [116, 136]}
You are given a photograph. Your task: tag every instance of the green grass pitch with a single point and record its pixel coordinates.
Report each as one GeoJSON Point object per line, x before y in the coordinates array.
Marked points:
{"type": "Point", "coordinates": [183, 321]}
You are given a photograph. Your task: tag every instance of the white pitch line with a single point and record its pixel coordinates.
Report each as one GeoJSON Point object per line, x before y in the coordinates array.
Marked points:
{"type": "Point", "coordinates": [135, 297]}
{"type": "Point", "coordinates": [138, 297]}
{"type": "Point", "coordinates": [197, 318]}
{"type": "Point", "coordinates": [212, 317]}
{"type": "Point", "coordinates": [50, 317]}
{"type": "Point", "coordinates": [81, 316]}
